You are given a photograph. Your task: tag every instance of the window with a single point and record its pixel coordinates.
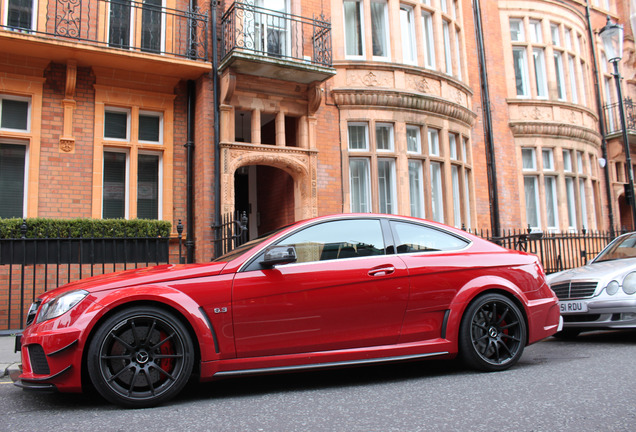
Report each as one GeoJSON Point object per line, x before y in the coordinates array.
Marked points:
{"type": "Point", "coordinates": [120, 150]}
{"type": "Point", "coordinates": [583, 202]}
{"type": "Point", "coordinates": [452, 146]}
{"type": "Point", "coordinates": [413, 143]}
{"type": "Point", "coordinates": [386, 185]}
{"type": "Point", "coordinates": [571, 202]}
{"type": "Point", "coordinates": [21, 14]}
{"type": "Point", "coordinates": [408, 33]}
{"type": "Point", "coordinates": [554, 32]}
{"type": "Point", "coordinates": [12, 180]}
{"type": "Point", "coordinates": [271, 28]}
{"type": "Point", "coordinates": [115, 187]}
{"type": "Point", "coordinates": [567, 161]}
{"type": "Point", "coordinates": [360, 185]}
{"type": "Point", "coordinates": [14, 113]}
{"type": "Point", "coordinates": [548, 159]}
{"type": "Point", "coordinates": [551, 202]}
{"type": "Point", "coordinates": [412, 238]}
{"type": "Point", "coordinates": [516, 30]}
{"type": "Point", "coordinates": [429, 40]}
{"type": "Point", "coordinates": [151, 26]}
{"type": "Point", "coordinates": [384, 137]}
{"type": "Point", "coordinates": [560, 79]}
{"type": "Point", "coordinates": [416, 189]}
{"type": "Point", "coordinates": [358, 136]}
{"type": "Point", "coordinates": [379, 28]}
{"type": "Point", "coordinates": [433, 142]}
{"type": "Point", "coordinates": [447, 48]}
{"type": "Point", "coordinates": [119, 23]}
{"type": "Point", "coordinates": [532, 199]}
{"type": "Point", "coordinates": [457, 210]}
{"type": "Point", "coordinates": [354, 40]}
{"type": "Point", "coordinates": [528, 159]}
{"type": "Point", "coordinates": [540, 73]}
{"type": "Point", "coordinates": [458, 54]}
{"type": "Point", "coordinates": [535, 32]}
{"type": "Point", "coordinates": [337, 240]}
{"type": "Point", "coordinates": [121, 19]}
{"type": "Point", "coordinates": [573, 80]}
{"type": "Point", "coordinates": [437, 198]}
{"type": "Point", "coordinates": [521, 70]}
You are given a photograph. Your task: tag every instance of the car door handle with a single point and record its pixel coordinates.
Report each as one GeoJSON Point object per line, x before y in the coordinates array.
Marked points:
{"type": "Point", "coordinates": [381, 271]}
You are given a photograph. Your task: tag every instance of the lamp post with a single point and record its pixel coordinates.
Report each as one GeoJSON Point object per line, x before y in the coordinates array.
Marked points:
{"type": "Point", "coordinates": [612, 37]}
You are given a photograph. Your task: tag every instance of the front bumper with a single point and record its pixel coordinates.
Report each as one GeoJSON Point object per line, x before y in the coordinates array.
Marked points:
{"type": "Point", "coordinates": [603, 314]}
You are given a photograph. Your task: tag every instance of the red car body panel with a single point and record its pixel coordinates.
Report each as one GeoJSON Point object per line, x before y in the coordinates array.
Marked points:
{"type": "Point", "coordinates": [394, 306]}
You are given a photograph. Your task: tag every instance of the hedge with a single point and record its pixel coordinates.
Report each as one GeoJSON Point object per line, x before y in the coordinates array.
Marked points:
{"type": "Point", "coordinates": [84, 228]}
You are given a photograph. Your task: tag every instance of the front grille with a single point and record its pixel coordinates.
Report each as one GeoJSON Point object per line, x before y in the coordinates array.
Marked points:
{"type": "Point", "coordinates": [39, 365]}
{"type": "Point", "coordinates": [581, 317]}
{"type": "Point", "coordinates": [33, 310]}
{"type": "Point", "coordinates": [574, 290]}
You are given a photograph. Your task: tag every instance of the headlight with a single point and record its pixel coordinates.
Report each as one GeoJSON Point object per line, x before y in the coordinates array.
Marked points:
{"type": "Point", "coordinates": [612, 288]}
{"type": "Point", "coordinates": [61, 304]}
{"type": "Point", "coordinates": [629, 283]}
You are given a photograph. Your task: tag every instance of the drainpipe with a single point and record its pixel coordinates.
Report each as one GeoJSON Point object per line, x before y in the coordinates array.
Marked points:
{"type": "Point", "coordinates": [217, 149]}
{"type": "Point", "coordinates": [190, 174]}
{"type": "Point", "coordinates": [601, 119]}
{"type": "Point", "coordinates": [491, 166]}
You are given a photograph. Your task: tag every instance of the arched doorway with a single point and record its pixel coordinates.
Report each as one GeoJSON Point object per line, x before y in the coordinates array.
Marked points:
{"type": "Point", "coordinates": [273, 187]}
{"type": "Point", "coordinates": [266, 195]}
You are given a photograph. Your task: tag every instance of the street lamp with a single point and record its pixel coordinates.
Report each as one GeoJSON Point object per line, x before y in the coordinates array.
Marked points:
{"type": "Point", "coordinates": [612, 37]}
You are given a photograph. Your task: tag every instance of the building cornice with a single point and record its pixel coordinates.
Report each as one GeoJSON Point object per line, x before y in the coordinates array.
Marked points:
{"type": "Point", "coordinates": [555, 130]}
{"type": "Point", "coordinates": [404, 100]}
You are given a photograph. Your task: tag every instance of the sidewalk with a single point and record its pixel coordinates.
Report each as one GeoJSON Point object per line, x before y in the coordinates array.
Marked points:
{"type": "Point", "coordinates": [9, 360]}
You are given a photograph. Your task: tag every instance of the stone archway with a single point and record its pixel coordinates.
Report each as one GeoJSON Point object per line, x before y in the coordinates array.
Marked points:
{"type": "Point", "coordinates": [300, 164]}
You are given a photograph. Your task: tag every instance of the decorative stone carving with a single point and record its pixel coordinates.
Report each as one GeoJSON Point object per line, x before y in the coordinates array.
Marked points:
{"type": "Point", "coordinates": [358, 78]}
{"type": "Point", "coordinates": [67, 145]}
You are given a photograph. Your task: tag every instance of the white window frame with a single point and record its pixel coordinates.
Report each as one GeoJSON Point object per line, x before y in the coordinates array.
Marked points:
{"type": "Point", "coordinates": [387, 31]}
{"type": "Point", "coordinates": [418, 140]}
{"type": "Point", "coordinates": [128, 123]}
{"type": "Point", "coordinates": [389, 188]}
{"type": "Point", "coordinates": [433, 142]}
{"type": "Point", "coordinates": [457, 207]}
{"type": "Point", "coordinates": [4, 97]}
{"type": "Point", "coordinates": [34, 17]}
{"type": "Point", "coordinates": [159, 181]}
{"type": "Point", "coordinates": [429, 40]}
{"type": "Point", "coordinates": [533, 153]}
{"type": "Point", "coordinates": [126, 151]}
{"type": "Point", "coordinates": [360, 11]}
{"type": "Point", "coordinates": [536, 215]}
{"type": "Point", "coordinates": [520, 66]}
{"type": "Point", "coordinates": [536, 35]}
{"type": "Point", "coordinates": [560, 78]}
{"type": "Point", "coordinates": [448, 56]}
{"type": "Point", "coordinates": [551, 202]}
{"type": "Point", "coordinates": [437, 197]}
{"type": "Point", "coordinates": [365, 189]}
{"type": "Point", "coordinates": [366, 137]}
{"type": "Point", "coordinates": [573, 79]}
{"type": "Point", "coordinates": [583, 202]}
{"type": "Point", "coordinates": [416, 188]}
{"type": "Point", "coordinates": [540, 74]}
{"type": "Point", "coordinates": [389, 127]}
{"type": "Point", "coordinates": [409, 46]}
{"type": "Point", "coordinates": [571, 202]}
{"type": "Point", "coordinates": [153, 114]}
{"type": "Point", "coordinates": [25, 190]}
{"type": "Point", "coordinates": [517, 34]}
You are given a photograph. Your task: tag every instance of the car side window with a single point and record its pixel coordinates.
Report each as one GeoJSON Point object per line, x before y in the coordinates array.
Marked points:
{"type": "Point", "coordinates": [337, 240]}
{"type": "Point", "coordinates": [410, 238]}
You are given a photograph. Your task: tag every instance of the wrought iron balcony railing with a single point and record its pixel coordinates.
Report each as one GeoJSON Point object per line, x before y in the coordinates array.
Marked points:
{"type": "Point", "coordinates": [263, 32]}
{"type": "Point", "coordinates": [613, 117]}
{"type": "Point", "coordinates": [119, 24]}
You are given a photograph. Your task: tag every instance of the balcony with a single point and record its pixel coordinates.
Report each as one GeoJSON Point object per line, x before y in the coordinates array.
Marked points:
{"type": "Point", "coordinates": [613, 117]}
{"type": "Point", "coordinates": [263, 42]}
{"type": "Point", "coordinates": [102, 29]}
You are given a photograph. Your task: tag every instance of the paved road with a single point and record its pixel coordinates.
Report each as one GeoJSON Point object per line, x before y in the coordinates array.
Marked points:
{"type": "Point", "coordinates": [586, 385]}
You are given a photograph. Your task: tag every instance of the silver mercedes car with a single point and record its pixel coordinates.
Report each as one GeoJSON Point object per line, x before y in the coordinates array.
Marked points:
{"type": "Point", "coordinates": [601, 294]}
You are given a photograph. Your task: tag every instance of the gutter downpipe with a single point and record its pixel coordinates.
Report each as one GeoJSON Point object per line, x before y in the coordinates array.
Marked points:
{"type": "Point", "coordinates": [190, 174]}
{"type": "Point", "coordinates": [217, 115]}
{"type": "Point", "coordinates": [488, 135]}
{"type": "Point", "coordinates": [601, 119]}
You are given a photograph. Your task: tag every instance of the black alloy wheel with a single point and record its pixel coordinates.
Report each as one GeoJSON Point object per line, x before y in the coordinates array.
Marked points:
{"type": "Point", "coordinates": [492, 333]}
{"type": "Point", "coordinates": [140, 357]}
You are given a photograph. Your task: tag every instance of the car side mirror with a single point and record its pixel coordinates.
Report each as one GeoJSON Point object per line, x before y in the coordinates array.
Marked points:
{"type": "Point", "coordinates": [279, 255]}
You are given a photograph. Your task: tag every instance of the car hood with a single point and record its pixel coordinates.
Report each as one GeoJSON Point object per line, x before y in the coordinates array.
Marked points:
{"type": "Point", "coordinates": [596, 271]}
{"type": "Point", "coordinates": [142, 276]}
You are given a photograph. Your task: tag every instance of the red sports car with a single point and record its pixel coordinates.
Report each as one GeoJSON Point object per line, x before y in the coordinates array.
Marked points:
{"type": "Point", "coordinates": [333, 291]}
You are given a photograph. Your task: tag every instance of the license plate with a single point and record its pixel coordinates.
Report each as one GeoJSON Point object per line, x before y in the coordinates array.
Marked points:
{"type": "Point", "coordinates": [573, 306]}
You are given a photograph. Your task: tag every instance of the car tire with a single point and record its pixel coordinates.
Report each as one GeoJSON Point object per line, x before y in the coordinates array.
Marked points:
{"type": "Point", "coordinates": [492, 333]}
{"type": "Point", "coordinates": [140, 357]}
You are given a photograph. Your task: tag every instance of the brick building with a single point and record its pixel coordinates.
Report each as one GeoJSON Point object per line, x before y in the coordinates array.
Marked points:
{"type": "Point", "coordinates": [298, 108]}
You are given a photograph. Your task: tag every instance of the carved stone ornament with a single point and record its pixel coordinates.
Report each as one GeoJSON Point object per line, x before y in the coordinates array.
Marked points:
{"type": "Point", "coordinates": [67, 145]}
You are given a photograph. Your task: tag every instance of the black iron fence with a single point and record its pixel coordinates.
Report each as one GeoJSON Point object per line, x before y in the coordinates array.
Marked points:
{"type": "Point", "coordinates": [613, 118]}
{"type": "Point", "coordinates": [557, 251]}
{"type": "Point", "coordinates": [143, 26]}
{"type": "Point", "coordinates": [31, 266]}
{"type": "Point", "coordinates": [255, 30]}
{"type": "Point", "coordinates": [230, 234]}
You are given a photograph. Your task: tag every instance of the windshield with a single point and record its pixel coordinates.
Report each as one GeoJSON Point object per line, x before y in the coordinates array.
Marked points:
{"type": "Point", "coordinates": [623, 247]}
{"type": "Point", "coordinates": [246, 247]}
